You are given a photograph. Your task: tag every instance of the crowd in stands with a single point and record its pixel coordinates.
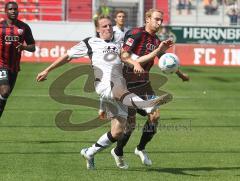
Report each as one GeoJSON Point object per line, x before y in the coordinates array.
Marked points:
{"type": "Point", "coordinates": [211, 7]}
{"type": "Point", "coordinates": [55, 10]}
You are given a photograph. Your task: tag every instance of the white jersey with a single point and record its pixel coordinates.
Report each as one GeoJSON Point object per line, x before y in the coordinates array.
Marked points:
{"type": "Point", "coordinates": [118, 34]}
{"type": "Point", "coordinates": [105, 60]}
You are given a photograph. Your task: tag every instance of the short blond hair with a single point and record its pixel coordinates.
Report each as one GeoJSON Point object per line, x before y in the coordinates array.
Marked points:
{"type": "Point", "coordinates": [149, 13]}
{"type": "Point", "coordinates": [96, 21]}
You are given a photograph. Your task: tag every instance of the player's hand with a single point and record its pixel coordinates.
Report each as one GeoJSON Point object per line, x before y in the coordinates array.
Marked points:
{"type": "Point", "coordinates": [166, 44]}
{"type": "Point", "coordinates": [20, 47]}
{"type": "Point", "coordinates": [138, 68]}
{"type": "Point", "coordinates": [42, 76]}
{"type": "Point", "coordinates": [185, 77]}
{"type": "Point", "coordinates": [182, 75]}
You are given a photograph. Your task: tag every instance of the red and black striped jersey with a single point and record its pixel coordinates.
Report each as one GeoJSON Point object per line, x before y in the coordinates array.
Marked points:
{"type": "Point", "coordinates": [139, 42]}
{"type": "Point", "coordinates": [10, 37]}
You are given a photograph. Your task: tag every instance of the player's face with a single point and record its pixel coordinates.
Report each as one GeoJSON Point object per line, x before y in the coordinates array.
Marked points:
{"type": "Point", "coordinates": [155, 21]}
{"type": "Point", "coordinates": [12, 11]}
{"type": "Point", "coordinates": [105, 29]}
{"type": "Point", "coordinates": [120, 19]}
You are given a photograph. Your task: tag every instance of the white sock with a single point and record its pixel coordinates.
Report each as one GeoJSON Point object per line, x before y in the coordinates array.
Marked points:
{"type": "Point", "coordinates": [102, 143]}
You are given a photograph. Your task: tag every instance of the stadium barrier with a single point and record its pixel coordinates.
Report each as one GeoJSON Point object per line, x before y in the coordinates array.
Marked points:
{"type": "Point", "coordinates": [189, 54]}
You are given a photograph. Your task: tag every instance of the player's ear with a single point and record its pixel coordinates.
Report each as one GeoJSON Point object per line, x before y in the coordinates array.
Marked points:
{"type": "Point", "coordinates": [147, 20]}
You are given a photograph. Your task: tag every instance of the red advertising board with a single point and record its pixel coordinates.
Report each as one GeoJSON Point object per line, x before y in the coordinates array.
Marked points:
{"type": "Point", "coordinates": [189, 54]}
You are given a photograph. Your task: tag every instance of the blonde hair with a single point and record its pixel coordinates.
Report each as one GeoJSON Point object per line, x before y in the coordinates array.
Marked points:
{"type": "Point", "coordinates": [149, 13]}
{"type": "Point", "coordinates": [96, 21]}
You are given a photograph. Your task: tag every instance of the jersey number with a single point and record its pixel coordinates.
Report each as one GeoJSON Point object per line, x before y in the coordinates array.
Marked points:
{"type": "Point", "coordinates": [3, 74]}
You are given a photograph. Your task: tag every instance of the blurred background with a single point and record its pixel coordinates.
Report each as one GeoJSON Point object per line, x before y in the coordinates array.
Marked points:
{"type": "Point", "coordinates": [207, 29]}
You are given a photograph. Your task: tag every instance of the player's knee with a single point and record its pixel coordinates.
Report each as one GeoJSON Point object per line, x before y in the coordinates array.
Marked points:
{"type": "Point", "coordinates": [131, 125]}
{"type": "Point", "coordinates": [154, 117]}
{"type": "Point", "coordinates": [117, 134]}
{"type": "Point", "coordinates": [4, 92]}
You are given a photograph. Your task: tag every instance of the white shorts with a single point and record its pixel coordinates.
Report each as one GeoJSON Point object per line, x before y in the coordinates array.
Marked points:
{"type": "Point", "coordinates": [110, 89]}
{"type": "Point", "coordinates": [112, 107]}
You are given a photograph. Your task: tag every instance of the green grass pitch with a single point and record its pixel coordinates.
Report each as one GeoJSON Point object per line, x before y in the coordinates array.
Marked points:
{"type": "Point", "coordinates": [197, 139]}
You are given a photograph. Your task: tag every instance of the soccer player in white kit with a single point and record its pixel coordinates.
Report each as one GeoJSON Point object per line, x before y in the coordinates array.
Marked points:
{"type": "Point", "coordinates": [109, 83]}
{"type": "Point", "coordinates": [119, 31]}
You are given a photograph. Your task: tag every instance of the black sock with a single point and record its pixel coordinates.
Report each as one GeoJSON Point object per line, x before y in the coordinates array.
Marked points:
{"type": "Point", "coordinates": [121, 143]}
{"type": "Point", "coordinates": [149, 130]}
{"type": "Point", "coordinates": [2, 106]}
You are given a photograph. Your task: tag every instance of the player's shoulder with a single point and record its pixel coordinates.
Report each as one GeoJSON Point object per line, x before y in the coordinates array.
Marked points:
{"type": "Point", "coordinates": [2, 21]}
{"type": "Point", "coordinates": [94, 40]}
{"type": "Point", "coordinates": [137, 30]}
{"type": "Point", "coordinates": [21, 24]}
{"type": "Point", "coordinates": [115, 28]}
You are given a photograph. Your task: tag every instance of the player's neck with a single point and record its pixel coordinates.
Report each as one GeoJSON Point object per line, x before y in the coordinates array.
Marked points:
{"type": "Point", "coordinates": [121, 27]}
{"type": "Point", "coordinates": [147, 29]}
{"type": "Point", "coordinates": [10, 22]}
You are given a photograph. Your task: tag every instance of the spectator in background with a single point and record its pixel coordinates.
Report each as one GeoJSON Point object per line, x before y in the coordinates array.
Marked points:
{"type": "Point", "coordinates": [180, 6]}
{"type": "Point", "coordinates": [210, 6]}
{"type": "Point", "coordinates": [184, 4]}
{"type": "Point", "coordinates": [14, 33]}
{"type": "Point", "coordinates": [119, 30]}
{"type": "Point", "coordinates": [233, 15]}
{"type": "Point", "coordinates": [102, 10]}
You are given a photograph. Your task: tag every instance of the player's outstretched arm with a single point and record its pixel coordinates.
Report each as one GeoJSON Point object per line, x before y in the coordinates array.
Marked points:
{"type": "Point", "coordinates": [182, 76]}
{"type": "Point", "coordinates": [164, 45]}
{"type": "Point", "coordinates": [57, 63]}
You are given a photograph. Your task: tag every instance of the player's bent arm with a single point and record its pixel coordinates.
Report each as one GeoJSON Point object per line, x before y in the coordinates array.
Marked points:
{"type": "Point", "coordinates": [148, 57]}
{"type": "Point", "coordinates": [164, 45]}
{"type": "Point", "coordinates": [57, 63]}
{"type": "Point", "coordinates": [30, 48]}
{"type": "Point", "coordinates": [126, 58]}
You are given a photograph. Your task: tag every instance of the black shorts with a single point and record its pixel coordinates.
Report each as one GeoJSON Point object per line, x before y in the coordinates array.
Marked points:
{"type": "Point", "coordinates": [143, 90]}
{"type": "Point", "coordinates": [7, 78]}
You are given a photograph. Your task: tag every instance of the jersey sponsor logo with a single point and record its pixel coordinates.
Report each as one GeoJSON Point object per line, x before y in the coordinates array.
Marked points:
{"type": "Point", "coordinates": [110, 49]}
{"type": "Point", "coordinates": [129, 41]}
{"type": "Point", "coordinates": [150, 46]}
{"type": "Point", "coordinates": [9, 38]}
{"type": "Point", "coordinates": [20, 31]}
{"type": "Point", "coordinates": [111, 53]}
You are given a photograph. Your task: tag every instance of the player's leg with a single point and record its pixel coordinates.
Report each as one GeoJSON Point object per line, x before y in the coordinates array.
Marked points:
{"type": "Point", "coordinates": [131, 123]}
{"type": "Point", "coordinates": [149, 130]}
{"type": "Point", "coordinates": [133, 100]}
{"type": "Point", "coordinates": [7, 82]}
{"type": "Point", "coordinates": [4, 93]}
{"type": "Point", "coordinates": [118, 124]}
{"type": "Point", "coordinates": [102, 109]}
{"type": "Point", "coordinates": [150, 127]}
{"type": "Point", "coordinates": [103, 142]}
{"type": "Point", "coordinates": [117, 90]}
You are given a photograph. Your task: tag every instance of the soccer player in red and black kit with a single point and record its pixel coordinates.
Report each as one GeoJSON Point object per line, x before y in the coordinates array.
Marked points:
{"type": "Point", "coordinates": [15, 36]}
{"type": "Point", "coordinates": [138, 42]}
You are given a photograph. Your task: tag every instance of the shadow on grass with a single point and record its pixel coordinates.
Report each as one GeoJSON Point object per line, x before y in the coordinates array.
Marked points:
{"type": "Point", "coordinates": [43, 142]}
{"type": "Point", "coordinates": [176, 171]}
{"type": "Point", "coordinates": [182, 171]}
